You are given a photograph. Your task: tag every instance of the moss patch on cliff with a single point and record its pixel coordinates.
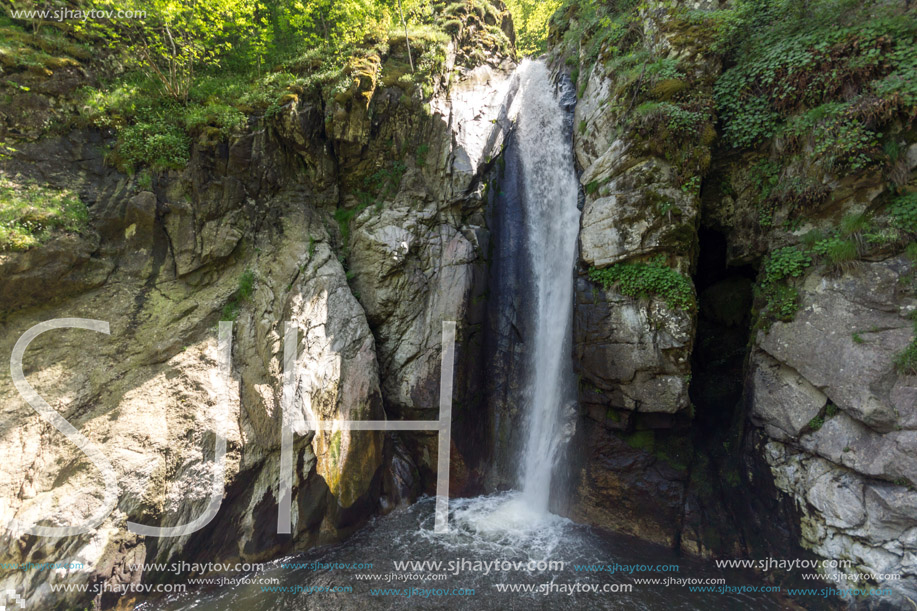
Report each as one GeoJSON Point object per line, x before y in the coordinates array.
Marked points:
{"type": "Point", "coordinates": [30, 214]}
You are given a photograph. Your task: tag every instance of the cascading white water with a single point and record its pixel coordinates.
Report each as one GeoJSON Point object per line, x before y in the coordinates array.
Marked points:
{"type": "Point", "coordinates": [552, 219]}
{"type": "Point", "coordinates": [549, 204]}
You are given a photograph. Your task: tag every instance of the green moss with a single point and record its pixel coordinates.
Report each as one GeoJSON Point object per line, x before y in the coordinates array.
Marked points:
{"type": "Point", "coordinates": [666, 89]}
{"type": "Point", "coordinates": [30, 214]}
{"type": "Point", "coordinates": [613, 415]}
{"type": "Point", "coordinates": [641, 440]}
{"type": "Point", "coordinates": [335, 448]}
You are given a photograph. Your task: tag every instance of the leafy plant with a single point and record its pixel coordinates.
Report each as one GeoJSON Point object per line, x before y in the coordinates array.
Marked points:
{"type": "Point", "coordinates": [903, 211]}
{"type": "Point", "coordinates": [786, 262]}
{"type": "Point", "coordinates": [645, 280]}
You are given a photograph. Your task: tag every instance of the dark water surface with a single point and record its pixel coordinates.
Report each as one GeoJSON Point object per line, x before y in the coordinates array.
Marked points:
{"type": "Point", "coordinates": [483, 529]}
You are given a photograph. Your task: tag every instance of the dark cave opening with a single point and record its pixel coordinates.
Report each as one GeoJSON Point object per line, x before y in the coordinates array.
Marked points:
{"type": "Point", "coordinates": [724, 317]}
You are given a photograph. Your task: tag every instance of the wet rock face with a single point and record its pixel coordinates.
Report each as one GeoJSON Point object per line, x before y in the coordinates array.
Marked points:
{"type": "Point", "coordinates": [842, 427]}
{"type": "Point", "coordinates": [647, 494]}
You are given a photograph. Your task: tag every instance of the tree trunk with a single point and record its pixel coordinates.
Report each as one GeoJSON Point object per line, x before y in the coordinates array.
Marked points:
{"type": "Point", "coordinates": [407, 40]}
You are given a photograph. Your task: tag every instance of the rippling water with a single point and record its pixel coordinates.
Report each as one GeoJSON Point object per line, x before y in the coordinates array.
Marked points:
{"type": "Point", "coordinates": [499, 527]}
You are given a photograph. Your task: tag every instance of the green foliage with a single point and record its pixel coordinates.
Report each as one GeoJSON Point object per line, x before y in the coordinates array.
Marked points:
{"type": "Point", "coordinates": [831, 410]}
{"type": "Point", "coordinates": [842, 251]}
{"type": "Point", "coordinates": [829, 70]}
{"type": "Point", "coordinates": [246, 284]}
{"type": "Point", "coordinates": [903, 211]}
{"type": "Point", "coordinates": [677, 119]}
{"type": "Point", "coordinates": [911, 251]}
{"type": "Point", "coordinates": [782, 302]}
{"type": "Point", "coordinates": [692, 185]}
{"type": "Point", "coordinates": [781, 299]}
{"type": "Point", "coordinates": [198, 70]}
{"type": "Point", "coordinates": [530, 18]}
{"type": "Point", "coordinates": [224, 117]}
{"type": "Point", "coordinates": [906, 361]}
{"type": "Point", "coordinates": [784, 263]}
{"type": "Point", "coordinates": [816, 423]}
{"type": "Point", "coordinates": [30, 214]}
{"type": "Point", "coordinates": [645, 280]}
{"type": "Point", "coordinates": [155, 139]}
{"type": "Point", "coordinates": [244, 291]}
{"type": "Point", "coordinates": [420, 157]}
{"type": "Point", "coordinates": [382, 183]}
{"type": "Point", "coordinates": [854, 223]}
{"type": "Point", "coordinates": [593, 187]}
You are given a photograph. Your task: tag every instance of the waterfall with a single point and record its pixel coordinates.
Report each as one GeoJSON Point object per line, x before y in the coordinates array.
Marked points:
{"type": "Point", "coordinates": [552, 223]}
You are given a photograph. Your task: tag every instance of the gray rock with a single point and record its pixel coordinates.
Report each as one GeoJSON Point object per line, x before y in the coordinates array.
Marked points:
{"type": "Point", "coordinates": [783, 401]}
